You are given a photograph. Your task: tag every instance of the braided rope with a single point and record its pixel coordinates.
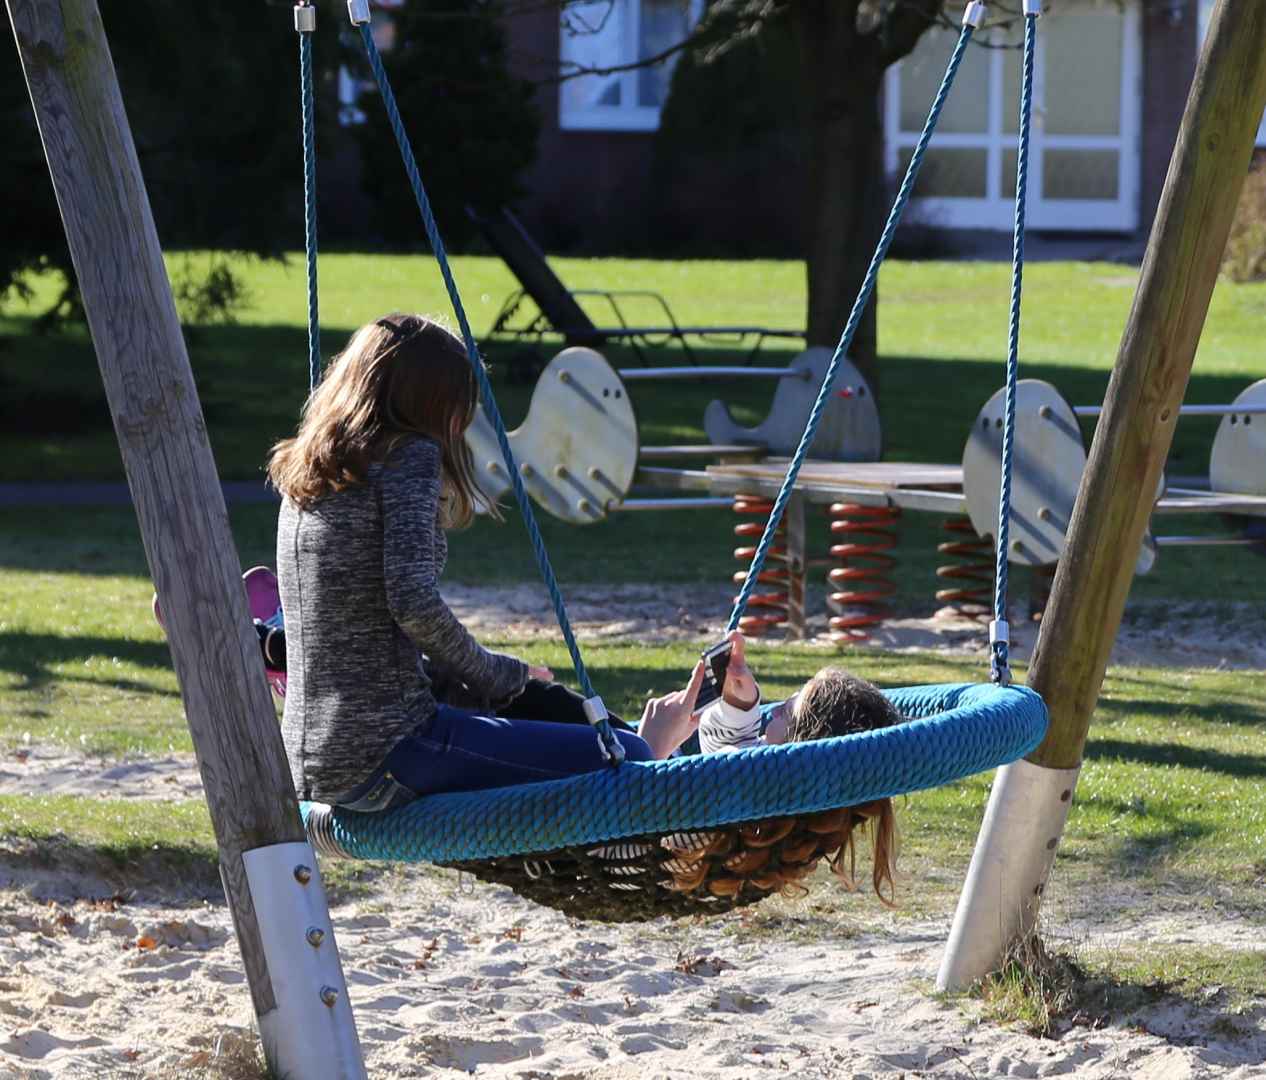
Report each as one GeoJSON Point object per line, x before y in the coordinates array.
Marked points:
{"type": "Point", "coordinates": [309, 205]}
{"type": "Point", "coordinates": [610, 744]}
{"type": "Point", "coordinates": [999, 670]}
{"type": "Point", "coordinates": [850, 329]}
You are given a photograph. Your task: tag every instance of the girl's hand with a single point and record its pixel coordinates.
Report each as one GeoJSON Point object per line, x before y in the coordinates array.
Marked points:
{"type": "Point", "coordinates": [541, 673]}
{"type": "Point", "coordinates": [667, 721]}
{"type": "Point", "coordinates": [741, 689]}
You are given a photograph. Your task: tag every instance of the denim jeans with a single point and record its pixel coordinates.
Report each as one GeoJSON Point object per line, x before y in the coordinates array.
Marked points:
{"type": "Point", "coordinates": [462, 750]}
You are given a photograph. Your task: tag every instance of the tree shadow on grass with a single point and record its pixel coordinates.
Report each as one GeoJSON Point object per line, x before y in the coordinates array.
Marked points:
{"type": "Point", "coordinates": [57, 866]}
{"type": "Point", "coordinates": [1246, 766]}
{"type": "Point", "coordinates": [32, 656]}
{"type": "Point", "coordinates": [1243, 713]}
{"type": "Point", "coordinates": [106, 540]}
{"type": "Point", "coordinates": [62, 867]}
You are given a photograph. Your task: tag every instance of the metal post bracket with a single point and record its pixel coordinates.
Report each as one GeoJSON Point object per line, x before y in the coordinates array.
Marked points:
{"type": "Point", "coordinates": [311, 1032]}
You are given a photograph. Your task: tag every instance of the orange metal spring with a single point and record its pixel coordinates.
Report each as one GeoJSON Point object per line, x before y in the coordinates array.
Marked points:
{"type": "Point", "coordinates": [862, 581]}
{"type": "Point", "coordinates": [767, 608]}
{"type": "Point", "coordinates": [971, 595]}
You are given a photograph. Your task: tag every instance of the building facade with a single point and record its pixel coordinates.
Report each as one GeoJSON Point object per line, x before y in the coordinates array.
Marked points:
{"type": "Point", "coordinates": [1111, 81]}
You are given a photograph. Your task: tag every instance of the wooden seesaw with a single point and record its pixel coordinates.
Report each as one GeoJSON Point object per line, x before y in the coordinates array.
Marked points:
{"type": "Point", "coordinates": [580, 457]}
{"type": "Point", "coordinates": [579, 451]}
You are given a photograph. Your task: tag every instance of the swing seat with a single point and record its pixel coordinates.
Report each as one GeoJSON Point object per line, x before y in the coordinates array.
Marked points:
{"type": "Point", "coordinates": [600, 845]}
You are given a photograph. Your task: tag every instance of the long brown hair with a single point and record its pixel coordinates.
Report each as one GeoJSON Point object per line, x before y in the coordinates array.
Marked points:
{"type": "Point", "coordinates": [836, 702]}
{"type": "Point", "coordinates": [776, 854]}
{"type": "Point", "coordinates": [400, 376]}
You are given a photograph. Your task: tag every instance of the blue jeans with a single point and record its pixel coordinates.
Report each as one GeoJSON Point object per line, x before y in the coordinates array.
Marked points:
{"type": "Point", "coordinates": [462, 750]}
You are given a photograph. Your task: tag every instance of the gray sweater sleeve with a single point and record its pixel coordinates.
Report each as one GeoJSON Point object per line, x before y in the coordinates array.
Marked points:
{"type": "Point", "coordinates": [412, 563]}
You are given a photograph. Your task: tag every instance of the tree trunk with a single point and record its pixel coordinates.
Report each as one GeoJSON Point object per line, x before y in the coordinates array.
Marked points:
{"type": "Point", "coordinates": [840, 83]}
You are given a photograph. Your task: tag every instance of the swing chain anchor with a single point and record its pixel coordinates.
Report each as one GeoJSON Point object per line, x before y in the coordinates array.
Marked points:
{"type": "Point", "coordinates": [358, 12]}
{"type": "Point", "coordinates": [597, 715]}
{"type": "Point", "coordinates": [999, 643]}
{"type": "Point", "coordinates": [975, 14]}
{"type": "Point", "coordinates": [305, 17]}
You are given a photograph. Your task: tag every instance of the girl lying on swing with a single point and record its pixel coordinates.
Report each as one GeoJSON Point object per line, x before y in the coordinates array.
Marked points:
{"type": "Point", "coordinates": [389, 697]}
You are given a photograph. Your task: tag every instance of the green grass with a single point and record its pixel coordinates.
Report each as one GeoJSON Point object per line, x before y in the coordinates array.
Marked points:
{"type": "Point", "coordinates": [1048, 991]}
{"type": "Point", "coordinates": [942, 333]}
{"type": "Point", "coordinates": [1171, 794]}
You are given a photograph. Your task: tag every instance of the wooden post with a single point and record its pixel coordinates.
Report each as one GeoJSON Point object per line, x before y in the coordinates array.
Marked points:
{"type": "Point", "coordinates": [1136, 428]}
{"type": "Point", "coordinates": [170, 470]}
{"type": "Point", "coordinates": [1029, 802]}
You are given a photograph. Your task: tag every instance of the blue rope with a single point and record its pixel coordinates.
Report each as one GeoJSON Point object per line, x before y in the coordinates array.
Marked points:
{"type": "Point", "coordinates": [999, 671]}
{"type": "Point", "coordinates": [309, 204]}
{"type": "Point", "coordinates": [850, 330]}
{"type": "Point", "coordinates": [611, 745]}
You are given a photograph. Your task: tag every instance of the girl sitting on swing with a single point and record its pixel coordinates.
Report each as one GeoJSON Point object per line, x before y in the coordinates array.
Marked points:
{"type": "Point", "coordinates": [376, 474]}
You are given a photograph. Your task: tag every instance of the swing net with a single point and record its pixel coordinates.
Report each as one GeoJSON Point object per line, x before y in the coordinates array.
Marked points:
{"type": "Point", "coordinates": [702, 833]}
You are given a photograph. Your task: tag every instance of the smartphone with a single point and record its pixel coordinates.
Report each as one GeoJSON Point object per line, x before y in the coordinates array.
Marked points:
{"type": "Point", "coordinates": [716, 661]}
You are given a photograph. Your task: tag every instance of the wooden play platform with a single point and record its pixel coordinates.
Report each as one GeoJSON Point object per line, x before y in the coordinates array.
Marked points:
{"type": "Point", "coordinates": [915, 486]}
{"type": "Point", "coordinates": [909, 485]}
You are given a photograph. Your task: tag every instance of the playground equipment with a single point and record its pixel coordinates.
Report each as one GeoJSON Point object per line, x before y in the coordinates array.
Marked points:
{"type": "Point", "coordinates": [268, 868]}
{"type": "Point", "coordinates": [578, 454]}
{"type": "Point", "coordinates": [578, 449]}
{"type": "Point", "coordinates": [1050, 469]}
{"type": "Point", "coordinates": [1029, 803]}
{"type": "Point", "coordinates": [306, 1025]}
{"type": "Point", "coordinates": [581, 432]}
{"type": "Point", "coordinates": [559, 312]}
{"type": "Point", "coordinates": [598, 844]}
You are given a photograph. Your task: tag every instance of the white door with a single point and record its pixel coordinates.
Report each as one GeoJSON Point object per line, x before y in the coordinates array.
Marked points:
{"type": "Point", "coordinates": [1084, 160]}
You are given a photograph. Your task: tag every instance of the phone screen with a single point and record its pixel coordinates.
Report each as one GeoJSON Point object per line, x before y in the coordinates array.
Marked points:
{"type": "Point", "coordinates": [716, 661]}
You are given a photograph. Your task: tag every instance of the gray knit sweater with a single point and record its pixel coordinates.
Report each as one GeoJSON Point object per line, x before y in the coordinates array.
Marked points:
{"type": "Point", "coordinates": [359, 578]}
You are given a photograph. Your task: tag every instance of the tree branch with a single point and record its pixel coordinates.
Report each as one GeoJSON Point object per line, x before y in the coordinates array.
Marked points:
{"type": "Point", "coordinates": [738, 19]}
{"type": "Point", "coordinates": [905, 23]}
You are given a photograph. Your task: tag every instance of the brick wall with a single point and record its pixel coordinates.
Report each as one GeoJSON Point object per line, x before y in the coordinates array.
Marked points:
{"type": "Point", "coordinates": [1169, 61]}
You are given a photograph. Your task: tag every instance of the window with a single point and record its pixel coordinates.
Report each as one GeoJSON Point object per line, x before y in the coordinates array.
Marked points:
{"type": "Point", "coordinates": [611, 33]}
{"type": "Point", "coordinates": [1084, 164]}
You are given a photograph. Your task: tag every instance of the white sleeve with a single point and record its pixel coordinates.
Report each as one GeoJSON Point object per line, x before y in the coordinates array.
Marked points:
{"type": "Point", "coordinates": [723, 726]}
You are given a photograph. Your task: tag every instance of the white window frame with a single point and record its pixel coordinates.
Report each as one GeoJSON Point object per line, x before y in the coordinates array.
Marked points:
{"type": "Point", "coordinates": [996, 210]}
{"type": "Point", "coordinates": [628, 115]}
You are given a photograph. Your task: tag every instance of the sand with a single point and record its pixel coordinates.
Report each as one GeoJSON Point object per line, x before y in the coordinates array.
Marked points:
{"type": "Point", "coordinates": [449, 977]}
{"type": "Point", "coordinates": [1192, 635]}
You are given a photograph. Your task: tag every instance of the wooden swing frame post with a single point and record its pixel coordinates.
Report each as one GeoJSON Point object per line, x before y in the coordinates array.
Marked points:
{"type": "Point", "coordinates": [184, 525]}
{"type": "Point", "coordinates": [1029, 802]}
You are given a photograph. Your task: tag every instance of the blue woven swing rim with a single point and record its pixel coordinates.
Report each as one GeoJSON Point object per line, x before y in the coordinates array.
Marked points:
{"type": "Point", "coordinates": [955, 730]}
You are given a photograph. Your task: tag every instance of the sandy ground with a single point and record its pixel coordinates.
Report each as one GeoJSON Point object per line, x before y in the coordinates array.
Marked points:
{"type": "Point", "coordinates": [450, 978]}
{"type": "Point", "coordinates": [1225, 635]}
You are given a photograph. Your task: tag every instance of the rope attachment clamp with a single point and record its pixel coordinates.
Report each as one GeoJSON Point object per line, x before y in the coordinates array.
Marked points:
{"type": "Point", "coordinates": [975, 14]}
{"type": "Point", "coordinates": [999, 645]}
{"type": "Point", "coordinates": [305, 18]}
{"type": "Point", "coordinates": [1033, 7]}
{"type": "Point", "coordinates": [596, 713]}
{"type": "Point", "coordinates": [358, 12]}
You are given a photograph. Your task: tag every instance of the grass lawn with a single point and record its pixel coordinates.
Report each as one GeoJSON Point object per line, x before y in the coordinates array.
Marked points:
{"type": "Point", "coordinates": [942, 332]}
{"type": "Point", "coordinates": [1171, 797]}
